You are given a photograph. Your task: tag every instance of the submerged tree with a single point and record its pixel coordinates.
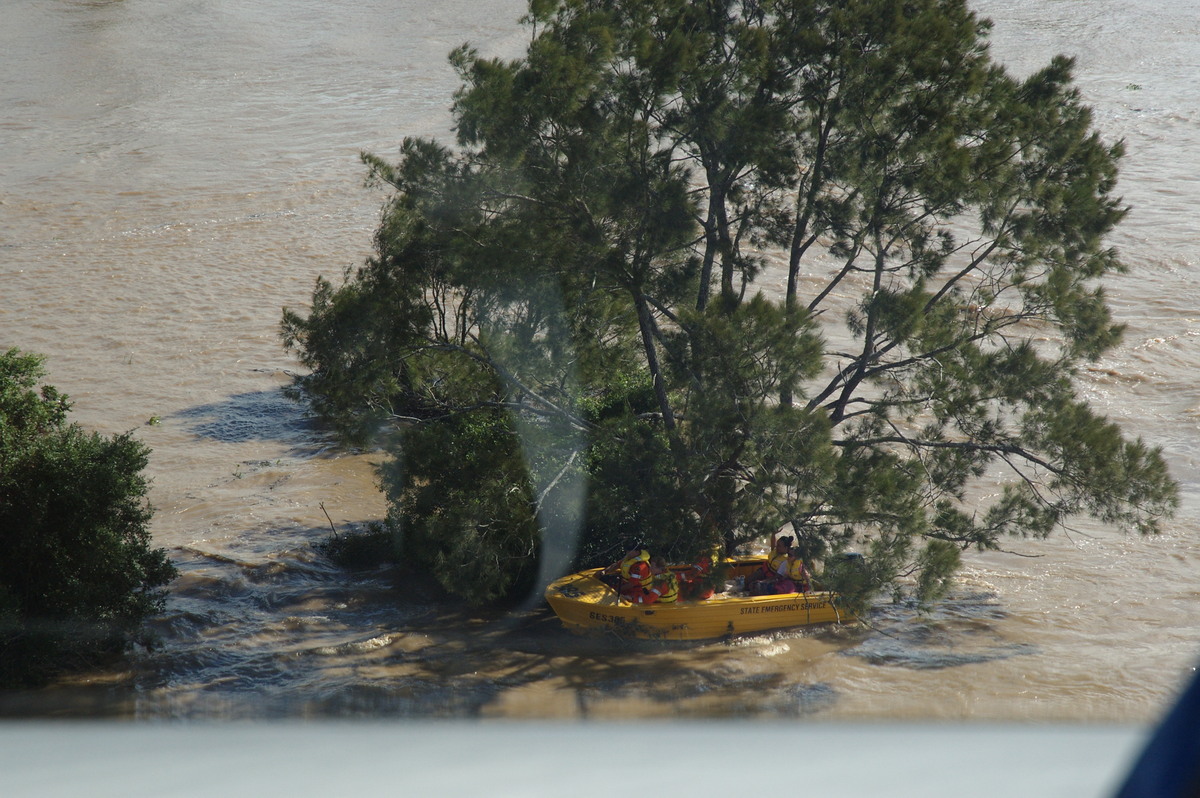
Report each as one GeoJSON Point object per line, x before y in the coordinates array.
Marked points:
{"type": "Point", "coordinates": [77, 573]}
{"type": "Point", "coordinates": [698, 269]}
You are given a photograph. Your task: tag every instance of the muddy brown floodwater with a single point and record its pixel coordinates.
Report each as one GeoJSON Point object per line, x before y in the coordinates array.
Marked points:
{"type": "Point", "coordinates": [173, 173]}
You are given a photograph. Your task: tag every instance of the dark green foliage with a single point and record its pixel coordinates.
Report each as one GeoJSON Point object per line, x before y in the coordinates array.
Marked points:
{"type": "Point", "coordinates": [464, 506]}
{"type": "Point", "coordinates": [77, 575]}
{"type": "Point", "coordinates": [566, 317]}
{"type": "Point", "coordinates": [361, 549]}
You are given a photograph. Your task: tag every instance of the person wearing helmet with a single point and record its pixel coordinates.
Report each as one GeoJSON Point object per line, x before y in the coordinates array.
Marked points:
{"type": "Point", "coordinates": [636, 576]}
{"type": "Point", "coordinates": [663, 582]}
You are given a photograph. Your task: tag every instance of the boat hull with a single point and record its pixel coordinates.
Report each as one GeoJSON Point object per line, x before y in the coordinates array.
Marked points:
{"type": "Point", "coordinates": [586, 604]}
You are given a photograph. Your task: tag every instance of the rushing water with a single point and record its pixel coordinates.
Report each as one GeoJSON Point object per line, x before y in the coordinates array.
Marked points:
{"type": "Point", "coordinates": [172, 172]}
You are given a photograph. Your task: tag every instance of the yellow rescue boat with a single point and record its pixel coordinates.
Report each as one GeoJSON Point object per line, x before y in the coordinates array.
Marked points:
{"type": "Point", "coordinates": [583, 602]}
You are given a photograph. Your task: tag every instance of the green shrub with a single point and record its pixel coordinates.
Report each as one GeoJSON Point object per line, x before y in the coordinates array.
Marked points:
{"type": "Point", "coordinates": [360, 549]}
{"type": "Point", "coordinates": [77, 573]}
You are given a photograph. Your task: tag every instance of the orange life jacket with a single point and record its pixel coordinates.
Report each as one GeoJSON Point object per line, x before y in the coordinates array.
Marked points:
{"type": "Point", "coordinates": [635, 570]}
{"type": "Point", "coordinates": [667, 587]}
{"type": "Point", "coordinates": [639, 595]}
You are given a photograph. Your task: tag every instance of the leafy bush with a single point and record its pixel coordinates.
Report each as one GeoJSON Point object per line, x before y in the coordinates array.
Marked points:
{"type": "Point", "coordinates": [77, 573]}
{"type": "Point", "coordinates": [362, 549]}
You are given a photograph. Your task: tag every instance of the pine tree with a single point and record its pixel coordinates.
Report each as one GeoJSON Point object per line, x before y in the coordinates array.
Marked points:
{"type": "Point", "coordinates": [566, 311]}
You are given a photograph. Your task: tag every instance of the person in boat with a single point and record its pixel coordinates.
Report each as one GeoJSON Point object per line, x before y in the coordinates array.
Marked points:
{"type": "Point", "coordinates": [762, 581]}
{"type": "Point", "coordinates": [636, 582]}
{"type": "Point", "coordinates": [692, 584]}
{"type": "Point", "coordinates": [664, 582]}
{"type": "Point", "coordinates": [792, 576]}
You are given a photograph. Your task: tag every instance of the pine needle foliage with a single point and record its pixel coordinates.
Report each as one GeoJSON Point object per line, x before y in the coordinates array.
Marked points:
{"type": "Point", "coordinates": [585, 290]}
